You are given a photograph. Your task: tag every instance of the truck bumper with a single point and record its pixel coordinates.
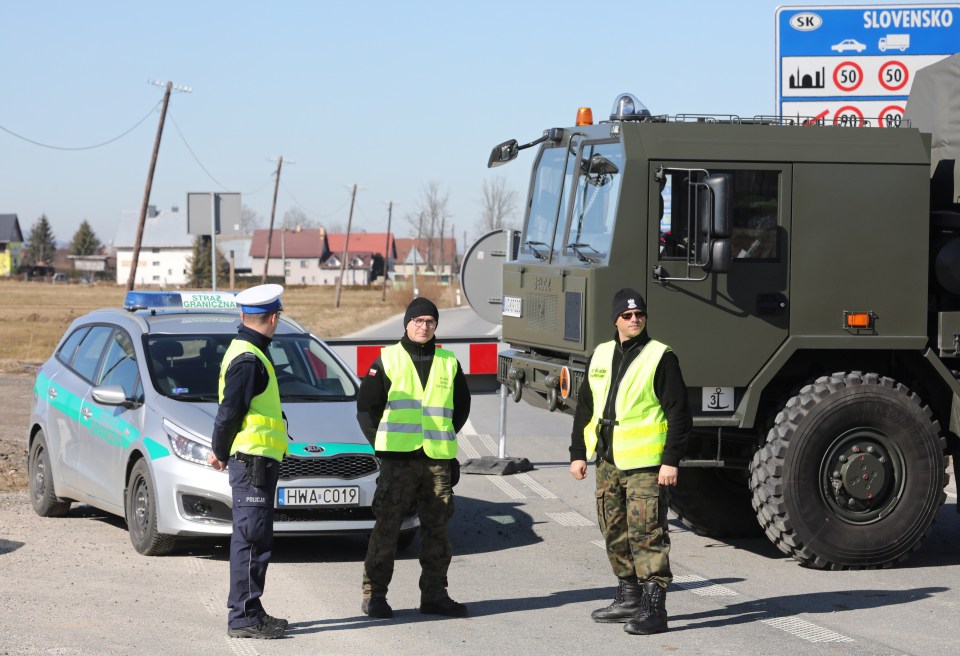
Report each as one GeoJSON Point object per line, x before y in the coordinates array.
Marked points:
{"type": "Point", "coordinates": [539, 380]}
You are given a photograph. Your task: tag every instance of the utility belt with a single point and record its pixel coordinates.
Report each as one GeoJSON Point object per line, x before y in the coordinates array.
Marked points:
{"type": "Point", "coordinates": [256, 471]}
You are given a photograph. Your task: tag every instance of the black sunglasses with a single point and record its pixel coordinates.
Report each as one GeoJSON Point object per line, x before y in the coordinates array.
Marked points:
{"type": "Point", "coordinates": [627, 316]}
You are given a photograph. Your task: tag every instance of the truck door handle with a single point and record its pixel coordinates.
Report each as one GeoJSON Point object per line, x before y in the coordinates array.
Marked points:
{"type": "Point", "coordinates": [768, 304]}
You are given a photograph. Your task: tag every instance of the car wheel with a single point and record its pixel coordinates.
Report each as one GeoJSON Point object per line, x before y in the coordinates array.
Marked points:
{"type": "Point", "coordinates": [852, 473]}
{"type": "Point", "coordinates": [43, 495]}
{"type": "Point", "coordinates": [142, 514]}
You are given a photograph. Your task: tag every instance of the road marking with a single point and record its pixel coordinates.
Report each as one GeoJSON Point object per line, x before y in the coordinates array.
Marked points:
{"type": "Point", "coordinates": [510, 491]}
{"type": "Point", "coordinates": [527, 480]}
{"type": "Point", "coordinates": [952, 495]}
{"type": "Point", "coordinates": [488, 442]}
{"type": "Point", "coordinates": [570, 519]}
{"type": "Point", "coordinates": [468, 428]}
{"type": "Point", "coordinates": [468, 450]}
{"type": "Point", "coordinates": [599, 543]}
{"type": "Point", "coordinates": [701, 586]}
{"type": "Point", "coordinates": [806, 630]}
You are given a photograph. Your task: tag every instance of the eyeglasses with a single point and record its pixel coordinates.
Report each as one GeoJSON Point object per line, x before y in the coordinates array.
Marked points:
{"type": "Point", "coordinates": [429, 323]}
{"type": "Point", "coordinates": [627, 316]}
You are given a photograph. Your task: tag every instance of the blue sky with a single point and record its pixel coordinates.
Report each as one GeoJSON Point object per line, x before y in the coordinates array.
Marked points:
{"type": "Point", "coordinates": [387, 95]}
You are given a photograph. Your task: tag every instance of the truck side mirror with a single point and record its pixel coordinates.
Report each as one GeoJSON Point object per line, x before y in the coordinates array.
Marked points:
{"type": "Point", "coordinates": [503, 153]}
{"type": "Point", "coordinates": [722, 205]}
{"type": "Point", "coordinates": [716, 255]}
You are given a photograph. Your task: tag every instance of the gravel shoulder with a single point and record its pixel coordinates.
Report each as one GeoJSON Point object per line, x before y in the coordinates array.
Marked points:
{"type": "Point", "coordinates": [17, 392]}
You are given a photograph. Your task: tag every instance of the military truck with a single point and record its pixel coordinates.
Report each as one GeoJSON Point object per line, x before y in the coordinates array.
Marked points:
{"type": "Point", "coordinates": [809, 288]}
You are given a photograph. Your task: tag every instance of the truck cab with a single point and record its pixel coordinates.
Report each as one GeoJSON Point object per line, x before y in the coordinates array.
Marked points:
{"type": "Point", "coordinates": [787, 264]}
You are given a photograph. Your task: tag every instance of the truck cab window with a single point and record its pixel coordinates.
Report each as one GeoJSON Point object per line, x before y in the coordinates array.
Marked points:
{"type": "Point", "coordinates": [551, 176]}
{"type": "Point", "coordinates": [755, 213]}
{"type": "Point", "coordinates": [595, 203]}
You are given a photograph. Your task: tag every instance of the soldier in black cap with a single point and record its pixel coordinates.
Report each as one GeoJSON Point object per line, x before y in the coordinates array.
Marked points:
{"type": "Point", "coordinates": [632, 412]}
{"type": "Point", "coordinates": [411, 405]}
{"type": "Point", "coordinates": [249, 441]}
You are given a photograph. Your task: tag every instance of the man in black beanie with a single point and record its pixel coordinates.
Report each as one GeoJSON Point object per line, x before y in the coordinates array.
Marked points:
{"type": "Point", "coordinates": [632, 412]}
{"type": "Point", "coordinates": [412, 403]}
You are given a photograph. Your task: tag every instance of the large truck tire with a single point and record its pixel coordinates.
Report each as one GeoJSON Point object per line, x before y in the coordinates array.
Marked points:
{"type": "Point", "coordinates": [714, 502]}
{"type": "Point", "coordinates": [851, 474]}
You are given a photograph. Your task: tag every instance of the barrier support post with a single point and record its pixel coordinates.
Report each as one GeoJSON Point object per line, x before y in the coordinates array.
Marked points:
{"type": "Point", "coordinates": [500, 465]}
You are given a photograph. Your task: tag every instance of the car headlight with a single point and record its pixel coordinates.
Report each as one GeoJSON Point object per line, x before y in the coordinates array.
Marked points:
{"type": "Point", "coordinates": [186, 444]}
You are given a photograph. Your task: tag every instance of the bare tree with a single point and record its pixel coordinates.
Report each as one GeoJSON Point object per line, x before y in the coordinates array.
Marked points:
{"type": "Point", "coordinates": [432, 205]}
{"type": "Point", "coordinates": [497, 204]}
{"type": "Point", "coordinates": [294, 217]}
{"type": "Point", "coordinates": [250, 220]}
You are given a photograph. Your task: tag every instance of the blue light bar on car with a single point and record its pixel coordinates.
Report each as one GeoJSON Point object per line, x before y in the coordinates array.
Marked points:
{"type": "Point", "coordinates": [140, 300]}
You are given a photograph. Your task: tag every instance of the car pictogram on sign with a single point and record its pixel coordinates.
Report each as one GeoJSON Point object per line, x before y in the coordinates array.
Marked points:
{"type": "Point", "coordinates": [849, 44]}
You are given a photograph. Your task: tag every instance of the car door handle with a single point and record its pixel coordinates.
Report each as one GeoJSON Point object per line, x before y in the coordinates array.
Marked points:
{"type": "Point", "coordinates": [87, 413]}
{"type": "Point", "coordinates": [52, 392]}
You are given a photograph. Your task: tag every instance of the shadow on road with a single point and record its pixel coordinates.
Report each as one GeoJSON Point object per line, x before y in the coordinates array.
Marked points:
{"type": "Point", "coordinates": [476, 608]}
{"type": "Point", "coordinates": [790, 605]}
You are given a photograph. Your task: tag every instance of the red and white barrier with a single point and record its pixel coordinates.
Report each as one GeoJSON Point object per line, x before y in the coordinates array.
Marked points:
{"type": "Point", "coordinates": [477, 355]}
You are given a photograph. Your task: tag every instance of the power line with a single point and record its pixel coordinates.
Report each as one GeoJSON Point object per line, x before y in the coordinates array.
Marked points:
{"type": "Point", "coordinates": [313, 214]}
{"type": "Point", "coordinates": [99, 145]}
{"type": "Point", "coordinates": [200, 164]}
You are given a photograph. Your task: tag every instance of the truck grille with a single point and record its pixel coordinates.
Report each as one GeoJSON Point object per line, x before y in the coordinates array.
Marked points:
{"type": "Point", "coordinates": [503, 368]}
{"type": "Point", "coordinates": [345, 466]}
{"type": "Point", "coordinates": [542, 312]}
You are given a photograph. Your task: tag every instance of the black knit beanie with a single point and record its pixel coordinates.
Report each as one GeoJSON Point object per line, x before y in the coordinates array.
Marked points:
{"type": "Point", "coordinates": [420, 307]}
{"type": "Point", "coordinates": [626, 299]}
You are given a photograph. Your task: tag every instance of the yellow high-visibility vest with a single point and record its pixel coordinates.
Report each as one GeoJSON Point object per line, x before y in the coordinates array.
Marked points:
{"type": "Point", "coordinates": [415, 415]}
{"type": "Point", "coordinates": [641, 429]}
{"type": "Point", "coordinates": [263, 432]}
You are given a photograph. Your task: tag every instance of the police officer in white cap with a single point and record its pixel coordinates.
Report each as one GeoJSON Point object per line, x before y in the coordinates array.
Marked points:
{"type": "Point", "coordinates": [249, 440]}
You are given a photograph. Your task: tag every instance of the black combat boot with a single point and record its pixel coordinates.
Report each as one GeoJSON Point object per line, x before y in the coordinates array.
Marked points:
{"type": "Point", "coordinates": [652, 616]}
{"type": "Point", "coordinates": [625, 604]}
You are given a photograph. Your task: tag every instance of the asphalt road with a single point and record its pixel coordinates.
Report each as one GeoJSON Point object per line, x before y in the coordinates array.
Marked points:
{"type": "Point", "coordinates": [529, 563]}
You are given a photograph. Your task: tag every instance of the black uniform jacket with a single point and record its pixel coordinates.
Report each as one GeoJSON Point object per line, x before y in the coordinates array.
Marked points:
{"type": "Point", "coordinates": [246, 378]}
{"type": "Point", "coordinates": [669, 388]}
{"type": "Point", "coordinates": [372, 398]}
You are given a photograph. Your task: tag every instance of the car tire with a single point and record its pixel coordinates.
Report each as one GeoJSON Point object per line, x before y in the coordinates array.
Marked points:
{"type": "Point", "coordinates": [852, 473]}
{"type": "Point", "coordinates": [141, 512]}
{"type": "Point", "coordinates": [43, 495]}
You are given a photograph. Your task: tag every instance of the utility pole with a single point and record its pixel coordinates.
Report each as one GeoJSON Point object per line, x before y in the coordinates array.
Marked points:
{"type": "Point", "coordinates": [273, 213]}
{"type": "Point", "coordinates": [416, 292]}
{"type": "Point", "coordinates": [169, 86]}
{"type": "Point", "coordinates": [346, 243]}
{"type": "Point", "coordinates": [386, 253]}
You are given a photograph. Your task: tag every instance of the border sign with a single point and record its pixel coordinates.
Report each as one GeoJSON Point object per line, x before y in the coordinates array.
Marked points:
{"type": "Point", "coordinates": [854, 64]}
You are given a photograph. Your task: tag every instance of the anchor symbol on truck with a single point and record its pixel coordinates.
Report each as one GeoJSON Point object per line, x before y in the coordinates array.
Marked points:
{"type": "Point", "coordinates": [715, 400]}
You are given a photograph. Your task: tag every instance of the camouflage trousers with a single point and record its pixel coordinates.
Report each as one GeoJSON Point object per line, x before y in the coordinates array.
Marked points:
{"type": "Point", "coordinates": [632, 513]}
{"type": "Point", "coordinates": [402, 485]}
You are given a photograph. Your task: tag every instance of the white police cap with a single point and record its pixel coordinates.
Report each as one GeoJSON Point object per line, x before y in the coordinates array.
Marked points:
{"type": "Point", "coordinates": [259, 299]}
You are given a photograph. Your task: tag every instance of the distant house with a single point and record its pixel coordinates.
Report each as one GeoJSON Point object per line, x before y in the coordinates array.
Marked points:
{"type": "Point", "coordinates": [165, 249]}
{"type": "Point", "coordinates": [432, 258]}
{"type": "Point", "coordinates": [312, 257]}
{"type": "Point", "coordinates": [11, 244]}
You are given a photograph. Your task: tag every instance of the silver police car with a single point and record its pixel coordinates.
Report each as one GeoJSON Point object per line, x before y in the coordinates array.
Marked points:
{"type": "Point", "coordinates": [124, 408]}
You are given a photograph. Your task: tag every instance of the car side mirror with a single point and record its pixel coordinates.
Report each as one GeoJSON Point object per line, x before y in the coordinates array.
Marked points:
{"type": "Point", "coordinates": [112, 395]}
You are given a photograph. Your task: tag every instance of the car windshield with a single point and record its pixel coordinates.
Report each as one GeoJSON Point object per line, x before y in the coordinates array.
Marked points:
{"type": "Point", "coordinates": [187, 368]}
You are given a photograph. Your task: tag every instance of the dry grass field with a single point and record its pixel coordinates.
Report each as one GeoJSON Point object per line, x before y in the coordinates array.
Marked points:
{"type": "Point", "coordinates": [34, 315]}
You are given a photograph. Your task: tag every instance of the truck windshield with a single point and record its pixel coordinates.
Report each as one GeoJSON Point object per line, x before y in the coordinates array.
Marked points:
{"type": "Point", "coordinates": [551, 177]}
{"type": "Point", "coordinates": [594, 209]}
